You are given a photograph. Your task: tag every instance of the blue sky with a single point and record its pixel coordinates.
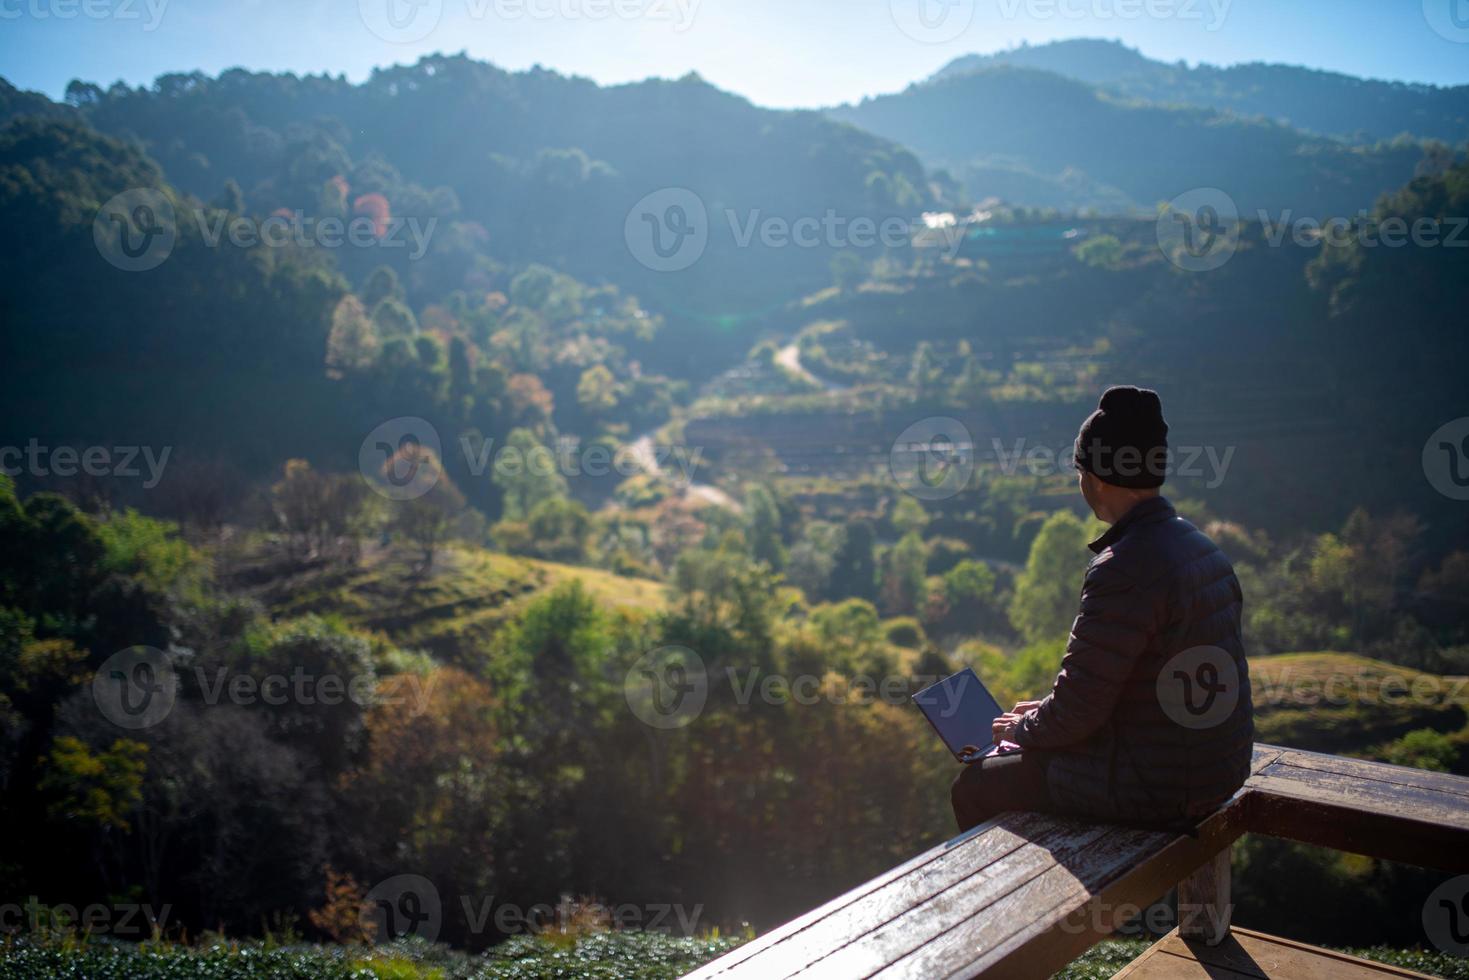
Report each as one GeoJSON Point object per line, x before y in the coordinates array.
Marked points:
{"type": "Point", "coordinates": [776, 52]}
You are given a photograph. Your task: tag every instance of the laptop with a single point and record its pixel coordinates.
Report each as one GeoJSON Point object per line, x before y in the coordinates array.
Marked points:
{"type": "Point", "coordinates": [963, 712]}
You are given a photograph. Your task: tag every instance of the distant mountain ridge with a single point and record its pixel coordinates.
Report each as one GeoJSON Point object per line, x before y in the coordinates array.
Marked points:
{"type": "Point", "coordinates": [1330, 103]}
{"type": "Point", "coordinates": [549, 165]}
{"type": "Point", "coordinates": [1039, 138]}
{"type": "Point", "coordinates": [1035, 137]}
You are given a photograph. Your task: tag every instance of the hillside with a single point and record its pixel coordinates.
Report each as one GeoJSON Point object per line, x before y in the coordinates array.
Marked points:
{"type": "Point", "coordinates": [1358, 109]}
{"type": "Point", "coordinates": [1349, 704]}
{"type": "Point", "coordinates": [453, 612]}
{"type": "Point", "coordinates": [1037, 138]}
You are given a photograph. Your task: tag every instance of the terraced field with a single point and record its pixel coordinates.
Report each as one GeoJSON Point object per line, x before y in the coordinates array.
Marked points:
{"type": "Point", "coordinates": [452, 611]}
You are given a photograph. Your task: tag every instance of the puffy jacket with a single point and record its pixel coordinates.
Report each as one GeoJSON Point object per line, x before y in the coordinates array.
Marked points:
{"type": "Point", "coordinates": [1150, 717]}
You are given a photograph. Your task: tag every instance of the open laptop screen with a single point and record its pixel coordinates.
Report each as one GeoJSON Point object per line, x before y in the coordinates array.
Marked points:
{"type": "Point", "coordinates": [961, 710]}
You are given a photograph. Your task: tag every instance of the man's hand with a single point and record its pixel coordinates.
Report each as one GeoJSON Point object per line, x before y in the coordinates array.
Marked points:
{"type": "Point", "coordinates": [1004, 726]}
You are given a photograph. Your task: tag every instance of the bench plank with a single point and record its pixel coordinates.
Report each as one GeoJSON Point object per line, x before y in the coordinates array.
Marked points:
{"type": "Point", "coordinates": [1363, 796]}
{"type": "Point", "coordinates": [996, 847]}
{"type": "Point", "coordinates": [1056, 937]}
{"type": "Point", "coordinates": [1361, 820]}
{"type": "Point", "coordinates": [1251, 955]}
{"type": "Point", "coordinates": [1352, 811]}
{"type": "Point", "coordinates": [1036, 876]}
{"type": "Point", "coordinates": [1379, 772]}
{"type": "Point", "coordinates": [760, 945]}
{"type": "Point", "coordinates": [1024, 894]}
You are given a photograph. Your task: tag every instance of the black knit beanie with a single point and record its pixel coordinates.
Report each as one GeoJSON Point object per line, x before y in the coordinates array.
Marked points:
{"type": "Point", "coordinates": [1125, 441]}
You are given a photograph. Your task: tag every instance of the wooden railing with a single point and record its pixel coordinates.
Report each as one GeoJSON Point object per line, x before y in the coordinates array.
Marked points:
{"type": "Point", "coordinates": [1024, 894]}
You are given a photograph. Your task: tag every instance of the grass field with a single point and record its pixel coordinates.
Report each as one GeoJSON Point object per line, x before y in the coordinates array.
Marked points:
{"type": "Point", "coordinates": [1344, 703]}
{"type": "Point", "coordinates": [452, 611]}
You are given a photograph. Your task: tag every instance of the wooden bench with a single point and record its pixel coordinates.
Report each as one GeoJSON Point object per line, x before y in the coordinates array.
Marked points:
{"type": "Point", "coordinates": [1250, 955]}
{"type": "Point", "coordinates": [1024, 894]}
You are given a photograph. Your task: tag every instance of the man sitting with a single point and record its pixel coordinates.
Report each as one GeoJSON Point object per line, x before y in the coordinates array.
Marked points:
{"type": "Point", "coordinates": [1150, 717]}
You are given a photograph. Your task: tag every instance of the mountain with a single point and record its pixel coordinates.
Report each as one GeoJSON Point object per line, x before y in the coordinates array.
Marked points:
{"type": "Point", "coordinates": [550, 165]}
{"type": "Point", "coordinates": [1358, 109]}
{"type": "Point", "coordinates": [1036, 138]}
{"type": "Point", "coordinates": [16, 102]}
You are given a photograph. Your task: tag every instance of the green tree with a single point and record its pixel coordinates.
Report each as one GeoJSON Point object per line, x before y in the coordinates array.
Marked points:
{"type": "Point", "coordinates": [558, 529]}
{"type": "Point", "coordinates": [855, 573]}
{"type": "Point", "coordinates": [904, 568]}
{"type": "Point", "coordinates": [812, 558]}
{"type": "Point", "coordinates": [909, 517]}
{"type": "Point", "coordinates": [762, 526]}
{"type": "Point", "coordinates": [382, 284]}
{"type": "Point", "coordinates": [847, 624]}
{"type": "Point", "coordinates": [596, 391]}
{"type": "Point", "coordinates": [324, 677]}
{"type": "Point", "coordinates": [969, 582]}
{"type": "Point", "coordinates": [526, 473]}
{"type": "Point", "coordinates": [393, 318]}
{"type": "Point", "coordinates": [1422, 748]}
{"type": "Point", "coordinates": [353, 343]}
{"type": "Point", "coordinates": [1047, 592]}
{"type": "Point", "coordinates": [96, 790]}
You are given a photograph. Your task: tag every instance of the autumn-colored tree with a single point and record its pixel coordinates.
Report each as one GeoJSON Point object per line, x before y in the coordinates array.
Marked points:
{"type": "Point", "coordinates": [318, 512]}
{"type": "Point", "coordinates": [375, 208]}
{"type": "Point", "coordinates": [431, 793]}
{"type": "Point", "coordinates": [530, 402]}
{"type": "Point", "coordinates": [334, 195]}
{"type": "Point", "coordinates": [425, 519]}
{"type": "Point", "coordinates": [344, 916]}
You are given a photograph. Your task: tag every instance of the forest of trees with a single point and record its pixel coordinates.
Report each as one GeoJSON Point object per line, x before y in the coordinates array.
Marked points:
{"type": "Point", "coordinates": [491, 628]}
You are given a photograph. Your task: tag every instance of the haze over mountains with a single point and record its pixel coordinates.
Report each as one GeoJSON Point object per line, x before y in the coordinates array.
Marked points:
{"type": "Point", "coordinates": [1074, 125]}
{"type": "Point", "coordinates": [552, 163]}
{"type": "Point", "coordinates": [1095, 125]}
{"type": "Point", "coordinates": [1330, 103]}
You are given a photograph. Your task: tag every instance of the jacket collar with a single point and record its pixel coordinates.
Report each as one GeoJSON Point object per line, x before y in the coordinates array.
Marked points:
{"type": "Point", "coordinates": [1152, 509]}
